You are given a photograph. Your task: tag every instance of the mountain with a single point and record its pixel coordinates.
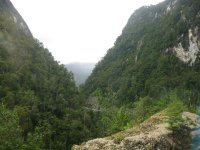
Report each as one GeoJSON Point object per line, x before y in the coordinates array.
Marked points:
{"type": "Point", "coordinates": [40, 106]}
{"type": "Point", "coordinates": [158, 51]}
{"type": "Point", "coordinates": [81, 71]}
{"type": "Point", "coordinates": [153, 67]}
{"type": "Point", "coordinates": [154, 64]}
{"type": "Point", "coordinates": [7, 9]}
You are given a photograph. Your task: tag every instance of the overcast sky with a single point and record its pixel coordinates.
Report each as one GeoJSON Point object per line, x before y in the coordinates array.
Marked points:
{"type": "Point", "coordinates": [78, 30]}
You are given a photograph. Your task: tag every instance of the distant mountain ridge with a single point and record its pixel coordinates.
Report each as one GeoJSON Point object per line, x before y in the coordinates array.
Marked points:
{"type": "Point", "coordinates": [80, 70]}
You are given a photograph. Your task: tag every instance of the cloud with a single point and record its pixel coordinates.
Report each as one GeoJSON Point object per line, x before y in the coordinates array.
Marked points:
{"type": "Point", "coordinates": [76, 30]}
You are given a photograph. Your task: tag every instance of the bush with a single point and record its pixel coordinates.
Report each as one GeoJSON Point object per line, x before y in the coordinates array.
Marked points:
{"type": "Point", "coordinates": [174, 111]}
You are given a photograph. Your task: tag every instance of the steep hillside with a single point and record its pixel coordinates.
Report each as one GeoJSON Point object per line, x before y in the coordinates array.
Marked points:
{"type": "Point", "coordinates": [41, 104]}
{"type": "Point", "coordinates": [81, 71]}
{"type": "Point", "coordinates": [158, 51]}
{"type": "Point", "coordinates": [154, 63]}
{"type": "Point", "coordinates": [7, 9]}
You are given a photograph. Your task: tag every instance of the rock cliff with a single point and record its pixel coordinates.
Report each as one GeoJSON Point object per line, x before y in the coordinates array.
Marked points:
{"type": "Point", "coordinates": [7, 9]}
{"type": "Point", "coordinates": [154, 133]}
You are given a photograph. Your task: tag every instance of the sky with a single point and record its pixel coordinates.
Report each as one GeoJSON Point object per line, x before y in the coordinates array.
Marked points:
{"type": "Point", "coordinates": [78, 30]}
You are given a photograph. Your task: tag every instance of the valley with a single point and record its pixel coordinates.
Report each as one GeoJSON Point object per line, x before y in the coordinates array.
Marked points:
{"type": "Point", "coordinates": [143, 94]}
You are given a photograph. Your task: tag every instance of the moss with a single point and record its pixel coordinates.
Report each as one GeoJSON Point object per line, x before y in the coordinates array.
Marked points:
{"type": "Point", "coordinates": [117, 138]}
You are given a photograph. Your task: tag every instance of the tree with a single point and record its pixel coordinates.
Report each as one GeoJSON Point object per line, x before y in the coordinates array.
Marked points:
{"type": "Point", "coordinates": [10, 132]}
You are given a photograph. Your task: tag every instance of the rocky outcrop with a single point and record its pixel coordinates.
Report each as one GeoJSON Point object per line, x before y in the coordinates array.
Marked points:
{"type": "Point", "coordinates": [7, 8]}
{"type": "Point", "coordinates": [171, 5]}
{"type": "Point", "coordinates": [189, 54]}
{"type": "Point", "coordinates": [151, 134]}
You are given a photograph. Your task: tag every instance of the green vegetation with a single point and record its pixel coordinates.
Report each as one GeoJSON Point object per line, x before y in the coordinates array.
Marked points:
{"type": "Point", "coordinates": [174, 111]}
{"type": "Point", "coordinates": [114, 118]}
{"type": "Point", "coordinates": [140, 76]}
{"type": "Point", "coordinates": [41, 93]}
{"type": "Point", "coordinates": [10, 132]}
{"type": "Point", "coordinates": [138, 64]}
{"type": "Point", "coordinates": [141, 73]}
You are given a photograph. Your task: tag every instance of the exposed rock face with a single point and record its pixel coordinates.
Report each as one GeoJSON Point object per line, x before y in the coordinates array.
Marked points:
{"type": "Point", "coordinates": [156, 139]}
{"type": "Point", "coordinates": [171, 5]}
{"type": "Point", "coordinates": [99, 144]}
{"type": "Point", "coordinates": [7, 8]}
{"type": "Point", "coordinates": [151, 134]}
{"type": "Point", "coordinates": [190, 54]}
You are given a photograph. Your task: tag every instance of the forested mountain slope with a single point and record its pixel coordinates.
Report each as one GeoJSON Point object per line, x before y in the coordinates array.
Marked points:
{"type": "Point", "coordinates": [41, 104]}
{"type": "Point", "coordinates": [158, 51]}
{"type": "Point", "coordinates": [153, 64]}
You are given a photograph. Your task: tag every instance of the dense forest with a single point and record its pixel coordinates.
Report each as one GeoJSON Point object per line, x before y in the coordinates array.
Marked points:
{"type": "Point", "coordinates": [146, 69]}
{"type": "Point", "coordinates": [143, 73]}
{"type": "Point", "coordinates": [40, 106]}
